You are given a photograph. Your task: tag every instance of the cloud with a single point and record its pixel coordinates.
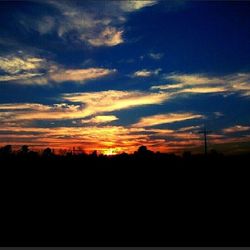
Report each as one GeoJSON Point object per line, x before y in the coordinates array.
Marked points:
{"type": "Point", "coordinates": [82, 105]}
{"type": "Point", "coordinates": [101, 138]}
{"type": "Point", "coordinates": [110, 36]}
{"type": "Point", "coordinates": [190, 128]}
{"type": "Point", "coordinates": [21, 78]}
{"type": "Point", "coordinates": [236, 129]}
{"type": "Point", "coordinates": [218, 114]}
{"type": "Point", "coordinates": [198, 83]}
{"type": "Point", "coordinates": [20, 119]}
{"type": "Point", "coordinates": [111, 100]}
{"type": "Point", "coordinates": [22, 106]}
{"type": "Point", "coordinates": [105, 139]}
{"type": "Point", "coordinates": [80, 75]}
{"type": "Point", "coordinates": [194, 79]}
{"type": "Point", "coordinates": [203, 90]}
{"type": "Point", "coordinates": [23, 68]}
{"type": "Point", "coordinates": [166, 118]}
{"type": "Point", "coordinates": [156, 56]}
{"type": "Point", "coordinates": [146, 73]}
{"type": "Point", "coordinates": [28, 70]}
{"type": "Point", "coordinates": [167, 87]}
{"type": "Point", "coordinates": [34, 111]}
{"type": "Point", "coordinates": [14, 64]}
{"type": "Point", "coordinates": [92, 23]}
{"type": "Point", "coordinates": [46, 24]}
{"type": "Point", "coordinates": [135, 5]}
{"type": "Point", "coordinates": [100, 119]}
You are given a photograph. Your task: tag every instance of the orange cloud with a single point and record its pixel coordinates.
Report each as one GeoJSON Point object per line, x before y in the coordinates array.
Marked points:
{"type": "Point", "coordinates": [15, 64]}
{"type": "Point", "coordinates": [80, 75]}
{"type": "Point", "coordinates": [100, 119]}
{"type": "Point", "coordinates": [165, 118]}
{"type": "Point", "coordinates": [92, 138]}
{"type": "Point", "coordinates": [134, 5]}
{"type": "Point", "coordinates": [110, 139]}
{"type": "Point", "coordinates": [235, 129]}
{"type": "Point", "coordinates": [110, 36]}
{"type": "Point", "coordinates": [28, 70]}
{"type": "Point", "coordinates": [199, 83]}
{"type": "Point", "coordinates": [111, 100]}
{"type": "Point", "coordinates": [91, 103]}
{"type": "Point", "coordinates": [204, 90]}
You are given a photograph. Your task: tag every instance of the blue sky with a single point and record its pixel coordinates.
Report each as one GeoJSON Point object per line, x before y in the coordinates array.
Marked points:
{"type": "Point", "coordinates": [114, 75]}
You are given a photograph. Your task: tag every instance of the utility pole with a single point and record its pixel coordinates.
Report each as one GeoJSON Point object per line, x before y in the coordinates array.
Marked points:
{"type": "Point", "coordinates": [205, 132]}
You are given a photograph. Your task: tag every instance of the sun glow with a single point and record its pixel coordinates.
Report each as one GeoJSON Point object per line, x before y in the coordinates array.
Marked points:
{"type": "Point", "coordinates": [111, 151]}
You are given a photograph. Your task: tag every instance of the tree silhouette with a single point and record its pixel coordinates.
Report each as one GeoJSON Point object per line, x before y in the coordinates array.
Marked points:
{"type": "Point", "coordinates": [6, 150]}
{"type": "Point", "coordinates": [142, 150]}
{"type": "Point", "coordinates": [47, 152]}
{"type": "Point", "coordinates": [24, 150]}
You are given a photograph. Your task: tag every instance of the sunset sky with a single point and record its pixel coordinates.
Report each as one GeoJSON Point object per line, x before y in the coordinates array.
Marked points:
{"type": "Point", "coordinates": [114, 75]}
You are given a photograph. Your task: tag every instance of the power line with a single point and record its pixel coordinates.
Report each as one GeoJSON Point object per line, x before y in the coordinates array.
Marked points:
{"type": "Point", "coordinates": [205, 132]}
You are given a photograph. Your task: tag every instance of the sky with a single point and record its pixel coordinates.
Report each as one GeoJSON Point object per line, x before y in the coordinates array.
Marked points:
{"type": "Point", "coordinates": [114, 75]}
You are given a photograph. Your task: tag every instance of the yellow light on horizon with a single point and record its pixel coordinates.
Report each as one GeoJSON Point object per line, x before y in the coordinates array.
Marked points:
{"type": "Point", "coordinates": [111, 151]}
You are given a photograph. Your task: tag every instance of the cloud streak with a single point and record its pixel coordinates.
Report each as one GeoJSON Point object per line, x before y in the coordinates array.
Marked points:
{"type": "Point", "coordinates": [165, 119]}
{"type": "Point", "coordinates": [130, 6]}
{"type": "Point", "coordinates": [82, 105]}
{"type": "Point", "coordinates": [95, 24]}
{"type": "Point", "coordinates": [196, 83]}
{"type": "Point", "coordinates": [80, 75]}
{"type": "Point", "coordinates": [100, 119]}
{"type": "Point", "coordinates": [236, 129]}
{"type": "Point", "coordinates": [112, 100]}
{"type": "Point", "coordinates": [110, 36]}
{"type": "Point", "coordinates": [146, 73]}
{"type": "Point", "coordinates": [29, 70]}
{"type": "Point", "coordinates": [155, 56]}
{"type": "Point", "coordinates": [15, 64]}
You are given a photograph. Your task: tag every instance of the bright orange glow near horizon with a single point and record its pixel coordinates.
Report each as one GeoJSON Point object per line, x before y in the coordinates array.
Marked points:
{"type": "Point", "coordinates": [112, 140]}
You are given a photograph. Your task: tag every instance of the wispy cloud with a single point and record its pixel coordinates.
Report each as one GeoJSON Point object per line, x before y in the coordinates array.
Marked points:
{"type": "Point", "coordinates": [94, 23]}
{"type": "Point", "coordinates": [100, 119]}
{"type": "Point", "coordinates": [99, 138]}
{"type": "Point", "coordinates": [80, 75]}
{"type": "Point", "coordinates": [15, 64]}
{"type": "Point", "coordinates": [30, 70]}
{"type": "Point", "coordinates": [189, 129]}
{"type": "Point", "coordinates": [203, 90]}
{"type": "Point", "coordinates": [146, 73]}
{"type": "Point", "coordinates": [194, 79]}
{"type": "Point", "coordinates": [166, 118]}
{"type": "Point", "coordinates": [33, 111]}
{"type": "Point", "coordinates": [236, 129]}
{"type": "Point", "coordinates": [110, 36]}
{"type": "Point", "coordinates": [24, 78]}
{"type": "Point", "coordinates": [156, 56]}
{"type": "Point", "coordinates": [82, 105]}
{"type": "Point", "coordinates": [111, 100]}
{"type": "Point", "coordinates": [107, 138]}
{"type": "Point", "coordinates": [198, 83]}
{"type": "Point", "coordinates": [134, 5]}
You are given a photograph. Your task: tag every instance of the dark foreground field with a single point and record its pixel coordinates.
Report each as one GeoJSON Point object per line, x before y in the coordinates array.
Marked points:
{"type": "Point", "coordinates": [143, 199]}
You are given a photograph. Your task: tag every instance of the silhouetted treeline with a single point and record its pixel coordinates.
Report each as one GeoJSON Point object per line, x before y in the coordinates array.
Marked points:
{"type": "Point", "coordinates": [139, 199]}
{"type": "Point", "coordinates": [142, 157]}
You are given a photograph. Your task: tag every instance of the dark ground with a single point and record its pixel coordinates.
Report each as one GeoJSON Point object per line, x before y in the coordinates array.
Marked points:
{"type": "Point", "coordinates": [139, 200]}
